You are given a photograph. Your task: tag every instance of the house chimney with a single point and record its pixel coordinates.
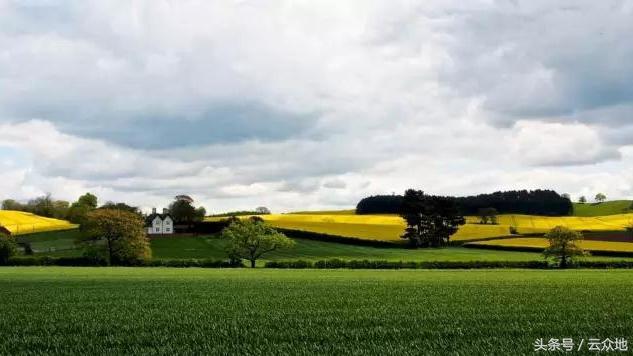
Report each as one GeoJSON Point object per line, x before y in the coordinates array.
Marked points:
{"type": "Point", "coordinates": [165, 211]}
{"type": "Point", "coordinates": [153, 210]}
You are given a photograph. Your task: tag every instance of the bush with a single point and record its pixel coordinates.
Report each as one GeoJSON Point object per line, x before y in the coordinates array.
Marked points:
{"type": "Point", "coordinates": [203, 263]}
{"type": "Point", "coordinates": [299, 264]}
{"type": "Point", "coordinates": [55, 261]}
{"type": "Point", "coordinates": [380, 264]}
{"type": "Point", "coordinates": [87, 261]}
{"type": "Point", "coordinates": [7, 248]}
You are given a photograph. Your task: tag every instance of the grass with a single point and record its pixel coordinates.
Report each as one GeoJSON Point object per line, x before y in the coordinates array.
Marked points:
{"type": "Point", "coordinates": [542, 243]}
{"type": "Point", "coordinates": [213, 247]}
{"type": "Point", "coordinates": [53, 241]}
{"type": "Point", "coordinates": [601, 209]}
{"type": "Point", "coordinates": [19, 223]}
{"type": "Point", "coordinates": [101, 311]}
{"type": "Point", "coordinates": [61, 243]}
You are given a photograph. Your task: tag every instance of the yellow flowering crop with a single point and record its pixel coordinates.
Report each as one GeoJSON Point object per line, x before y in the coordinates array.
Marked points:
{"type": "Point", "coordinates": [19, 223]}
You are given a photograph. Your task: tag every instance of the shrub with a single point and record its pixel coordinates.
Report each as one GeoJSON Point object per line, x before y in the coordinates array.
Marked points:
{"type": "Point", "coordinates": [381, 264]}
{"type": "Point", "coordinates": [7, 248]}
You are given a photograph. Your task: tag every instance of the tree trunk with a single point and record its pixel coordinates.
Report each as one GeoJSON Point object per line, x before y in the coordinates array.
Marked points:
{"type": "Point", "coordinates": [253, 263]}
{"type": "Point", "coordinates": [563, 262]}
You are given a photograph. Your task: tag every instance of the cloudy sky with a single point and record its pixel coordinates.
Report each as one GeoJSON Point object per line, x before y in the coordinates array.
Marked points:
{"type": "Point", "coordinates": [301, 105]}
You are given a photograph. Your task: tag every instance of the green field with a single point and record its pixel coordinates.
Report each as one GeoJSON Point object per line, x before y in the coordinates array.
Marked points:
{"type": "Point", "coordinates": [98, 311]}
{"type": "Point", "coordinates": [212, 247]}
{"type": "Point", "coordinates": [601, 209]}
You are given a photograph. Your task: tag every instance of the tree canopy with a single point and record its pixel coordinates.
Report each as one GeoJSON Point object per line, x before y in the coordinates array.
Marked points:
{"type": "Point", "coordinates": [250, 239]}
{"type": "Point", "coordinates": [535, 202]}
{"type": "Point", "coordinates": [121, 206]}
{"type": "Point", "coordinates": [563, 245]}
{"type": "Point", "coordinates": [431, 220]}
{"type": "Point", "coordinates": [122, 233]}
{"type": "Point", "coordinates": [183, 211]}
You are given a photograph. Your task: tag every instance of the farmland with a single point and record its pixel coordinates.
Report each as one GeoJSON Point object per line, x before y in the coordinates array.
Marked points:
{"type": "Point", "coordinates": [601, 209]}
{"type": "Point", "coordinates": [98, 311]}
{"type": "Point", "coordinates": [539, 243]}
{"type": "Point", "coordinates": [390, 227]}
{"type": "Point", "coordinates": [19, 223]}
{"type": "Point", "coordinates": [370, 227]}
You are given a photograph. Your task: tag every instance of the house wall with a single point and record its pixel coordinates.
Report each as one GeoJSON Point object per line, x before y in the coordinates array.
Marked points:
{"type": "Point", "coordinates": [160, 227]}
{"type": "Point", "coordinates": [168, 226]}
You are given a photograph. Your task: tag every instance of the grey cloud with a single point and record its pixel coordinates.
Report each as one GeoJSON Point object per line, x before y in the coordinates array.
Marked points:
{"type": "Point", "coordinates": [335, 184]}
{"type": "Point", "coordinates": [542, 60]}
{"type": "Point", "coordinates": [223, 123]}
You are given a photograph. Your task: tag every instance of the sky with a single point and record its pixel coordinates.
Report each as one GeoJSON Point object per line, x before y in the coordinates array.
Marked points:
{"type": "Point", "coordinates": [303, 105]}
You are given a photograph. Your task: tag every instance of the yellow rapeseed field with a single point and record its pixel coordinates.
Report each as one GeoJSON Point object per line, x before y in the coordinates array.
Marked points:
{"type": "Point", "coordinates": [370, 227]}
{"type": "Point", "coordinates": [390, 227]}
{"type": "Point", "coordinates": [542, 243]}
{"type": "Point", "coordinates": [19, 223]}
{"type": "Point", "coordinates": [527, 224]}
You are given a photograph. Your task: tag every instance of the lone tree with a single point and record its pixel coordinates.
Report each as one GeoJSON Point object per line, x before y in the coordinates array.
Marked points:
{"type": "Point", "coordinates": [251, 239]}
{"type": "Point", "coordinates": [262, 210]}
{"type": "Point", "coordinates": [183, 211]}
{"type": "Point", "coordinates": [7, 248]}
{"type": "Point", "coordinates": [488, 215]}
{"type": "Point", "coordinates": [582, 200]}
{"type": "Point", "coordinates": [600, 197]}
{"type": "Point", "coordinates": [431, 220]}
{"type": "Point", "coordinates": [563, 245]}
{"type": "Point", "coordinates": [122, 233]}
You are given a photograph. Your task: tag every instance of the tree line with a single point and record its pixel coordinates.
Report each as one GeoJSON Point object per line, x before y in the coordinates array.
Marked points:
{"type": "Point", "coordinates": [531, 202]}
{"type": "Point", "coordinates": [181, 209]}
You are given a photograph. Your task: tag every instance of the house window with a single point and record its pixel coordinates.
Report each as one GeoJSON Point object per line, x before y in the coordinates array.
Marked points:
{"type": "Point", "coordinates": [167, 230]}
{"type": "Point", "coordinates": [157, 229]}
{"type": "Point", "coordinates": [167, 222]}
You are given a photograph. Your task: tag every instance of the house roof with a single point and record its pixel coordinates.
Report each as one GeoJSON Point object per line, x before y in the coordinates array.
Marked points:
{"type": "Point", "coordinates": [150, 218]}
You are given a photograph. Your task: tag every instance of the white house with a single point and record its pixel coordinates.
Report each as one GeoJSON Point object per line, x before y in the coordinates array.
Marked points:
{"type": "Point", "coordinates": [159, 224]}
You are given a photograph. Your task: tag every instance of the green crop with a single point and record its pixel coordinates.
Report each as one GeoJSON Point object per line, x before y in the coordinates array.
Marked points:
{"type": "Point", "coordinates": [194, 311]}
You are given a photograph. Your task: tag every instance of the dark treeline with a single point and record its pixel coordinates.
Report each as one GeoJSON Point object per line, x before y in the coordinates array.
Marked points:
{"type": "Point", "coordinates": [532, 202]}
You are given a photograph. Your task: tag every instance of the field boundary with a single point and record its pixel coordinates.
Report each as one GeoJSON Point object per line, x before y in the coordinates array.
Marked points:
{"type": "Point", "coordinates": [605, 253]}
{"type": "Point", "coordinates": [317, 236]}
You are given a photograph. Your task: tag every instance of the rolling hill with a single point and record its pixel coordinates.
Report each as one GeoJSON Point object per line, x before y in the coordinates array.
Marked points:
{"type": "Point", "coordinates": [20, 223]}
{"type": "Point", "coordinates": [601, 209]}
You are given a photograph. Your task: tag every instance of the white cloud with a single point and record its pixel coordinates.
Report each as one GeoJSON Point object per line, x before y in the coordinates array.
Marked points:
{"type": "Point", "coordinates": [298, 105]}
{"type": "Point", "coordinates": [547, 144]}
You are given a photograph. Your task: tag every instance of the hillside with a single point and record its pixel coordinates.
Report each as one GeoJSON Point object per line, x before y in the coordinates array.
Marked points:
{"type": "Point", "coordinates": [602, 209]}
{"type": "Point", "coordinates": [19, 223]}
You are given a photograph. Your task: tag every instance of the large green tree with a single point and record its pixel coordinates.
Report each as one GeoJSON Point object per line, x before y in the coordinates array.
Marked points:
{"type": "Point", "coordinates": [251, 239]}
{"type": "Point", "coordinates": [79, 210]}
{"type": "Point", "coordinates": [431, 220]}
{"type": "Point", "coordinates": [183, 211]}
{"type": "Point", "coordinates": [89, 200]}
{"type": "Point", "coordinates": [563, 245]}
{"type": "Point", "coordinates": [122, 233]}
